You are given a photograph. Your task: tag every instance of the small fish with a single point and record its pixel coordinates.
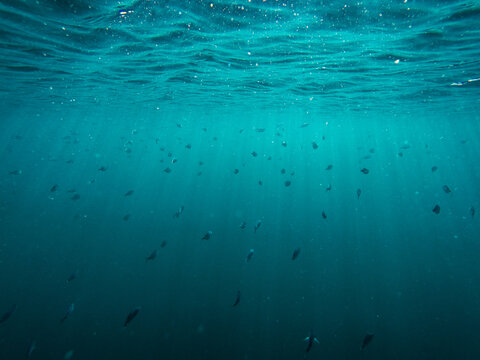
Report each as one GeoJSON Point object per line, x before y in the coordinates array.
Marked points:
{"type": "Point", "coordinates": [254, 154]}
{"type": "Point", "coordinates": [311, 340]}
{"type": "Point", "coordinates": [174, 160]}
{"type": "Point", "coordinates": [446, 189]}
{"type": "Point", "coordinates": [126, 217]}
{"type": "Point", "coordinates": [304, 125]}
{"type": "Point", "coordinates": [283, 171]}
{"type": "Point", "coordinates": [434, 168]}
{"type": "Point", "coordinates": [179, 125]}
{"type": "Point", "coordinates": [15, 172]}
{"type": "Point", "coordinates": [75, 197]}
{"type": "Point", "coordinates": [235, 171]}
{"type": "Point", "coordinates": [260, 130]}
{"type": "Point", "coordinates": [372, 151]}
{"type": "Point", "coordinates": [288, 183]}
{"type": "Point", "coordinates": [167, 170]}
{"type": "Point", "coordinates": [129, 193]}
{"type": "Point", "coordinates": [257, 225]}
{"type": "Point", "coordinates": [314, 145]}
{"type": "Point", "coordinates": [237, 299]}
{"type": "Point", "coordinates": [250, 254]}
{"type": "Point", "coordinates": [359, 192]}
{"type": "Point", "coordinates": [329, 167]}
{"type": "Point", "coordinates": [295, 254]}
{"type": "Point", "coordinates": [243, 225]}
{"type": "Point", "coordinates": [102, 168]}
{"type": "Point", "coordinates": [284, 143]}
{"type": "Point", "coordinates": [68, 312]}
{"type": "Point", "coordinates": [188, 146]}
{"type": "Point", "coordinates": [54, 188]}
{"type": "Point", "coordinates": [152, 256]}
{"type": "Point", "coordinates": [324, 215]}
{"type": "Point", "coordinates": [208, 235]}
{"type": "Point", "coordinates": [329, 187]}
{"type": "Point", "coordinates": [68, 355]}
{"type": "Point", "coordinates": [472, 211]}
{"type": "Point", "coordinates": [179, 212]}
{"type": "Point", "coordinates": [31, 349]}
{"type": "Point", "coordinates": [131, 315]}
{"type": "Point", "coordinates": [260, 182]}
{"type": "Point", "coordinates": [400, 154]}
{"type": "Point", "coordinates": [436, 209]}
{"type": "Point", "coordinates": [365, 171]}
{"type": "Point", "coordinates": [7, 314]}
{"type": "Point", "coordinates": [405, 147]}
{"type": "Point", "coordinates": [367, 340]}
{"type": "Point", "coordinates": [72, 276]}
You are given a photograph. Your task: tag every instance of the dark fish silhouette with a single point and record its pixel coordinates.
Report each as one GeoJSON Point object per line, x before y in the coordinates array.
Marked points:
{"type": "Point", "coordinates": [446, 189]}
{"type": "Point", "coordinates": [152, 256]}
{"type": "Point", "coordinates": [179, 212]}
{"type": "Point", "coordinates": [54, 188]}
{"type": "Point", "coordinates": [15, 172]}
{"type": "Point", "coordinates": [102, 168]}
{"type": "Point", "coordinates": [329, 187]}
{"type": "Point", "coordinates": [237, 299]}
{"type": "Point", "coordinates": [72, 276]}
{"type": "Point", "coordinates": [436, 209]}
{"type": "Point", "coordinates": [260, 182]}
{"type": "Point", "coordinates": [329, 167]}
{"type": "Point", "coordinates": [75, 197]}
{"type": "Point", "coordinates": [288, 183]}
{"type": "Point", "coordinates": [304, 125]}
{"type": "Point", "coordinates": [243, 225]}
{"type": "Point", "coordinates": [235, 171]}
{"type": "Point", "coordinates": [131, 315]}
{"type": "Point", "coordinates": [163, 244]}
{"type": "Point", "coordinates": [254, 154]}
{"type": "Point", "coordinates": [167, 170]}
{"type": "Point", "coordinates": [260, 130]}
{"type": "Point", "coordinates": [188, 146]}
{"type": "Point", "coordinates": [7, 314]}
{"type": "Point", "coordinates": [295, 254]}
{"type": "Point", "coordinates": [208, 235]}
{"type": "Point", "coordinates": [68, 312]}
{"type": "Point", "coordinates": [359, 192]}
{"type": "Point", "coordinates": [129, 193]}
{"type": "Point", "coordinates": [472, 211]}
{"type": "Point", "coordinates": [284, 143]}
{"type": "Point", "coordinates": [250, 254]}
{"type": "Point", "coordinates": [126, 217]}
{"type": "Point", "coordinates": [434, 168]}
{"type": "Point", "coordinates": [367, 340]}
{"type": "Point", "coordinates": [311, 339]}
{"type": "Point", "coordinates": [324, 215]}
{"type": "Point", "coordinates": [257, 225]}
{"type": "Point", "coordinates": [365, 171]}
{"type": "Point", "coordinates": [283, 171]}
{"type": "Point", "coordinates": [314, 145]}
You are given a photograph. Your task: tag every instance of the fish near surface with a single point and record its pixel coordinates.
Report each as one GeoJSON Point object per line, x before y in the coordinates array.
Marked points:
{"type": "Point", "coordinates": [237, 299]}
{"type": "Point", "coordinates": [70, 309]}
{"type": "Point", "coordinates": [295, 254]}
{"type": "Point", "coordinates": [208, 235]}
{"type": "Point", "coordinates": [152, 256]}
{"type": "Point", "coordinates": [131, 315]}
{"type": "Point", "coordinates": [367, 340]}
{"type": "Point", "coordinates": [8, 313]}
{"type": "Point", "coordinates": [250, 254]}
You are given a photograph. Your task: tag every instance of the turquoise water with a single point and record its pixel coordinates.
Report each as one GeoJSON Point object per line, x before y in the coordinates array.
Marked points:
{"type": "Point", "coordinates": [330, 148]}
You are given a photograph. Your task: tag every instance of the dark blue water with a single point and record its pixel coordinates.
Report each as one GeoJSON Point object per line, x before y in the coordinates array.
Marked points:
{"type": "Point", "coordinates": [330, 148]}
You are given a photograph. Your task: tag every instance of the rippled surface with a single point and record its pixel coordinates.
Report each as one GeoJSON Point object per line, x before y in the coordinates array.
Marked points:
{"type": "Point", "coordinates": [364, 55]}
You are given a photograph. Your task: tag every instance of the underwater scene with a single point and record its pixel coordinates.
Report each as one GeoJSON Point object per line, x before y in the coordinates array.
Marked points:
{"type": "Point", "coordinates": [249, 179]}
